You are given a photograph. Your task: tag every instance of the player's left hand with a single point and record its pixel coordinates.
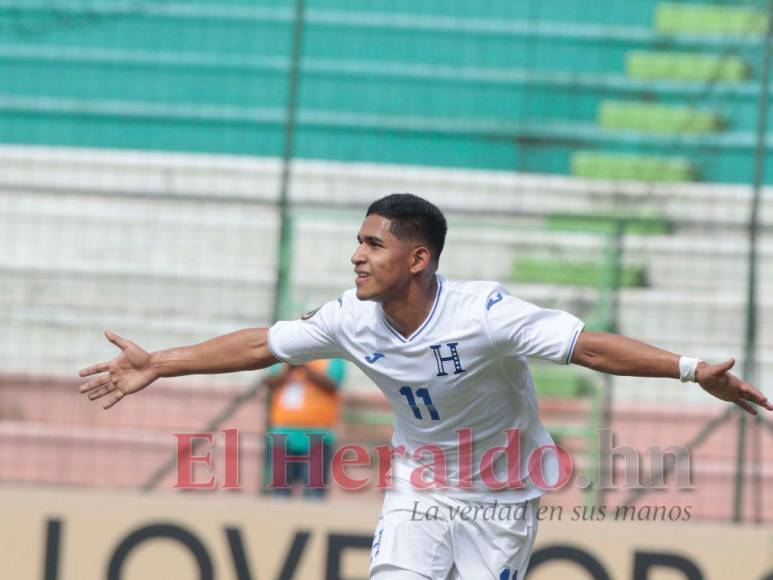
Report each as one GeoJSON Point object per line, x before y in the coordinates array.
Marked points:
{"type": "Point", "coordinates": [717, 381]}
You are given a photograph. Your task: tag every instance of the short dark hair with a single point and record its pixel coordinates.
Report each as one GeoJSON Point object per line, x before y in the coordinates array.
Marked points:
{"type": "Point", "coordinates": [413, 218]}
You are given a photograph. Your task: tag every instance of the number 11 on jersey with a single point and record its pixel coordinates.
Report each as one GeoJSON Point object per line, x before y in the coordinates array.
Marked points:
{"type": "Point", "coordinates": [423, 394]}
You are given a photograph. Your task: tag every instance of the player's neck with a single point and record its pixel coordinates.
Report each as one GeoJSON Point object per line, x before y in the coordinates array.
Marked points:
{"type": "Point", "coordinates": [408, 312]}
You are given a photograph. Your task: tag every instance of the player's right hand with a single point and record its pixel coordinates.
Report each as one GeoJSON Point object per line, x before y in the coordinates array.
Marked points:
{"type": "Point", "coordinates": [129, 372]}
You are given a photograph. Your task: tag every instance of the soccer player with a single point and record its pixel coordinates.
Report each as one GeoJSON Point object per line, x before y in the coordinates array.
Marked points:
{"type": "Point", "coordinates": [451, 358]}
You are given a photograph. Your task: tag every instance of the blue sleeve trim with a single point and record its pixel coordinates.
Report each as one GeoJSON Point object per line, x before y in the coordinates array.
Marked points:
{"type": "Point", "coordinates": [574, 342]}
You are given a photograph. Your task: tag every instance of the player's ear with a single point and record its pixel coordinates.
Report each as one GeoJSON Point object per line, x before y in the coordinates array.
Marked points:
{"type": "Point", "coordinates": [420, 259]}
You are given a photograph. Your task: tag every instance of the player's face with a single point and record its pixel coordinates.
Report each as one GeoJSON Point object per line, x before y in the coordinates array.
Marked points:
{"type": "Point", "coordinates": [381, 261]}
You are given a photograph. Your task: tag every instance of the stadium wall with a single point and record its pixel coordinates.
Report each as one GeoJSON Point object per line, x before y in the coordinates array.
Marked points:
{"type": "Point", "coordinates": [69, 535]}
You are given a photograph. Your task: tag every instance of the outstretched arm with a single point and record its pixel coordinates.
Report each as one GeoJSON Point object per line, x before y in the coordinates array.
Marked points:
{"type": "Point", "coordinates": [134, 368]}
{"type": "Point", "coordinates": [620, 355]}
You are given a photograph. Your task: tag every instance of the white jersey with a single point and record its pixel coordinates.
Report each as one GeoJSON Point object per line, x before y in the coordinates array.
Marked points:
{"type": "Point", "coordinates": [463, 368]}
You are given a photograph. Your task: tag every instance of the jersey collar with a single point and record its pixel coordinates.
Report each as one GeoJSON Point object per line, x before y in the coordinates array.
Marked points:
{"type": "Point", "coordinates": [431, 314]}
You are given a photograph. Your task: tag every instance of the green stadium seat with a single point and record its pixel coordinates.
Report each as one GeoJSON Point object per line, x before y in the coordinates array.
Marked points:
{"type": "Point", "coordinates": [608, 224]}
{"type": "Point", "coordinates": [572, 273]}
{"type": "Point", "coordinates": [524, 95]}
{"type": "Point", "coordinates": [685, 66]}
{"type": "Point", "coordinates": [657, 118]}
{"type": "Point", "coordinates": [560, 382]}
{"type": "Point", "coordinates": [629, 166]}
{"type": "Point", "coordinates": [365, 417]}
{"type": "Point", "coordinates": [708, 19]}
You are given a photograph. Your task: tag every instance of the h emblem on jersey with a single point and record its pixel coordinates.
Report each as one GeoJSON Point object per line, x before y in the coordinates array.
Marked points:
{"type": "Point", "coordinates": [440, 359]}
{"type": "Point", "coordinates": [374, 357]}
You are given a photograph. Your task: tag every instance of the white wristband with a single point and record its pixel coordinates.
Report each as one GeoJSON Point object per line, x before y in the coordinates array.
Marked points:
{"type": "Point", "coordinates": [687, 366]}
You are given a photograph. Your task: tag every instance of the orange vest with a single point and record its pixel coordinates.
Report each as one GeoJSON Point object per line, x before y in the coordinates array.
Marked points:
{"type": "Point", "coordinates": [299, 402]}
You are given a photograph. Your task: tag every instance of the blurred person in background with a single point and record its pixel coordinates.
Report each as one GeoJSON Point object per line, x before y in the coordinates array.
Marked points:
{"type": "Point", "coordinates": [305, 401]}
